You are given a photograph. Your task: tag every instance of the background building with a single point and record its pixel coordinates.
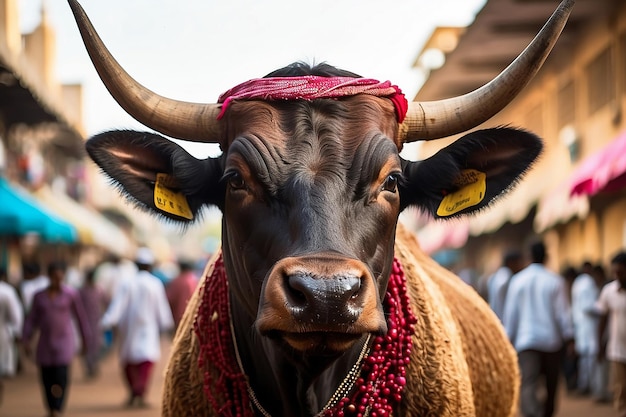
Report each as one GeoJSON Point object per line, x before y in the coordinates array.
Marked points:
{"type": "Point", "coordinates": [45, 211]}
{"type": "Point", "coordinates": [61, 206]}
{"type": "Point", "coordinates": [575, 197]}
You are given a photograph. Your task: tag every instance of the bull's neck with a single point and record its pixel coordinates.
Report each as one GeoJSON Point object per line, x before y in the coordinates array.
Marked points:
{"type": "Point", "coordinates": [281, 387]}
{"type": "Point", "coordinates": [285, 384]}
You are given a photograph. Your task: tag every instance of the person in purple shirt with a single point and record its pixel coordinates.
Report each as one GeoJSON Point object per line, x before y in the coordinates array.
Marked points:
{"type": "Point", "coordinates": [51, 314]}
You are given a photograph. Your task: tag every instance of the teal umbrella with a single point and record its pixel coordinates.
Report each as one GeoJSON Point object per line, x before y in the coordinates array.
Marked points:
{"type": "Point", "coordinates": [21, 214]}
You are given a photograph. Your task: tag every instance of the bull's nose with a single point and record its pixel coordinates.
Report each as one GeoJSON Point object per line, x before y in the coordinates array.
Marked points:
{"type": "Point", "coordinates": [320, 299]}
{"type": "Point", "coordinates": [324, 300]}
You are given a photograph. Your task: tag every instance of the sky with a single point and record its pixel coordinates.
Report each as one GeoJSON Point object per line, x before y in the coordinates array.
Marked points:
{"type": "Point", "coordinates": [194, 50]}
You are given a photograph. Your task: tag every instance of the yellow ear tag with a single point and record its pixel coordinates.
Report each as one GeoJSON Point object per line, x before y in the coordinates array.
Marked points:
{"type": "Point", "coordinates": [472, 189]}
{"type": "Point", "coordinates": [170, 201]}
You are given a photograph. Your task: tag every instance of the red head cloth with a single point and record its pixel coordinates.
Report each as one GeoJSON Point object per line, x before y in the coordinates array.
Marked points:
{"type": "Point", "coordinates": [310, 87]}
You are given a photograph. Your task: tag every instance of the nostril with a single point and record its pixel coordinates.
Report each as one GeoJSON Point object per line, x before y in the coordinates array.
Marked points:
{"type": "Point", "coordinates": [297, 288]}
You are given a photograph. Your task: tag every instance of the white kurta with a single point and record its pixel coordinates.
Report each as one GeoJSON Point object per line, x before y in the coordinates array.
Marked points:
{"type": "Point", "coordinates": [109, 275]}
{"type": "Point", "coordinates": [140, 310]}
{"type": "Point", "coordinates": [584, 295]}
{"type": "Point", "coordinates": [30, 287]}
{"type": "Point", "coordinates": [612, 301]}
{"type": "Point", "coordinates": [11, 321]}
{"type": "Point", "coordinates": [537, 313]}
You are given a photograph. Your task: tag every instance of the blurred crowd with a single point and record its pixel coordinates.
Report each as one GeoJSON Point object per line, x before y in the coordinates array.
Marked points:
{"type": "Point", "coordinates": [54, 313]}
{"type": "Point", "coordinates": [568, 326]}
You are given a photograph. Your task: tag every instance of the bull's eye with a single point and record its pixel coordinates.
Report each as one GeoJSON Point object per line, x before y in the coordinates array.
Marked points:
{"type": "Point", "coordinates": [391, 183]}
{"type": "Point", "coordinates": [236, 181]}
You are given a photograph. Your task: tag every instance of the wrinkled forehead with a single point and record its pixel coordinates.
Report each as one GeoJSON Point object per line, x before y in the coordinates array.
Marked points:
{"type": "Point", "coordinates": [280, 123]}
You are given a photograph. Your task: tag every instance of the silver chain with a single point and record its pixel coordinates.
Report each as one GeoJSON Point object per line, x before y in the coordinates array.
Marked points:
{"type": "Point", "coordinates": [341, 392]}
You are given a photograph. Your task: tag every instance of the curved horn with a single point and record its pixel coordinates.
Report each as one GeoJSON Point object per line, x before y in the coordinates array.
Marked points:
{"type": "Point", "coordinates": [179, 119]}
{"type": "Point", "coordinates": [438, 119]}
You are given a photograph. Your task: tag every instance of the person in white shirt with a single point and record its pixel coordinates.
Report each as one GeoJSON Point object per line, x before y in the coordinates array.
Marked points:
{"type": "Point", "coordinates": [108, 276]}
{"type": "Point", "coordinates": [612, 306]}
{"type": "Point", "coordinates": [537, 320]}
{"type": "Point", "coordinates": [113, 271]}
{"type": "Point", "coordinates": [603, 392]}
{"type": "Point", "coordinates": [498, 283]}
{"type": "Point", "coordinates": [585, 291]}
{"type": "Point", "coordinates": [11, 319]}
{"type": "Point", "coordinates": [33, 281]}
{"type": "Point", "coordinates": [140, 311]}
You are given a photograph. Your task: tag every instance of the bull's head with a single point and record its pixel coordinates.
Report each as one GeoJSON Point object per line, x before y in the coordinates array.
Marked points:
{"type": "Point", "coordinates": [311, 191]}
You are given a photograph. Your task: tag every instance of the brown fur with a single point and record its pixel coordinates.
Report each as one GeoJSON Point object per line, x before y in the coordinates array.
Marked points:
{"type": "Point", "coordinates": [461, 365]}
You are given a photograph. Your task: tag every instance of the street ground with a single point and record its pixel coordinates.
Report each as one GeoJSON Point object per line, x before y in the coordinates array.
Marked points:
{"type": "Point", "coordinates": [101, 397]}
{"type": "Point", "coordinates": [105, 396]}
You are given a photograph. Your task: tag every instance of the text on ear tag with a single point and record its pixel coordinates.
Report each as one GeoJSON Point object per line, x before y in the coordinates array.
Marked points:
{"type": "Point", "coordinates": [472, 189]}
{"type": "Point", "coordinates": [172, 202]}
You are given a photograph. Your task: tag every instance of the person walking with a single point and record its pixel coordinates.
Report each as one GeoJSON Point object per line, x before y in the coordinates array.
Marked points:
{"type": "Point", "coordinates": [601, 379]}
{"type": "Point", "coordinates": [585, 293]}
{"type": "Point", "coordinates": [95, 302]}
{"type": "Point", "coordinates": [51, 314]}
{"type": "Point", "coordinates": [537, 320]}
{"type": "Point", "coordinates": [611, 306]}
{"type": "Point", "coordinates": [498, 283]}
{"type": "Point", "coordinates": [108, 276]}
{"type": "Point", "coordinates": [180, 289]}
{"type": "Point", "coordinates": [11, 321]}
{"type": "Point", "coordinates": [570, 362]}
{"type": "Point", "coordinates": [140, 311]}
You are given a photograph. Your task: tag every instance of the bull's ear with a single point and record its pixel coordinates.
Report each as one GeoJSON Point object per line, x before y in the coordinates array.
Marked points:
{"type": "Point", "coordinates": [469, 174]}
{"type": "Point", "coordinates": [156, 174]}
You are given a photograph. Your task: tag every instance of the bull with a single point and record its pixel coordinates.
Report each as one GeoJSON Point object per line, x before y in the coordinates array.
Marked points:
{"type": "Point", "coordinates": [319, 302]}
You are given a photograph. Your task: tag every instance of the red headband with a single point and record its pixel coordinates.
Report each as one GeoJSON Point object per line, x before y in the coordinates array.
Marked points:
{"type": "Point", "coordinates": [310, 87]}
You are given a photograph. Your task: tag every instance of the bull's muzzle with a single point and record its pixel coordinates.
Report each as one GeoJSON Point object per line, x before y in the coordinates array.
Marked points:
{"type": "Point", "coordinates": [322, 301]}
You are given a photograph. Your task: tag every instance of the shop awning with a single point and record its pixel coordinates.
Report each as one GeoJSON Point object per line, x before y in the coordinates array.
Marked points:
{"type": "Point", "coordinates": [26, 100]}
{"type": "Point", "coordinates": [559, 206]}
{"type": "Point", "coordinates": [603, 171]}
{"type": "Point", "coordinates": [93, 228]}
{"type": "Point", "coordinates": [20, 214]}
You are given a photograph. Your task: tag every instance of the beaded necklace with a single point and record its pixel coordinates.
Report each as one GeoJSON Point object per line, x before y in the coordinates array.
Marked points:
{"type": "Point", "coordinates": [373, 386]}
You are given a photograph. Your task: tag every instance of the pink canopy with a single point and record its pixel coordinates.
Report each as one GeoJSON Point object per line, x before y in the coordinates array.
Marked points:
{"type": "Point", "coordinates": [603, 171]}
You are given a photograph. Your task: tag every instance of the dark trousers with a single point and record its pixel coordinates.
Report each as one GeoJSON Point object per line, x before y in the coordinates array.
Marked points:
{"type": "Point", "coordinates": [55, 381]}
{"type": "Point", "coordinates": [535, 366]}
{"type": "Point", "coordinates": [570, 372]}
